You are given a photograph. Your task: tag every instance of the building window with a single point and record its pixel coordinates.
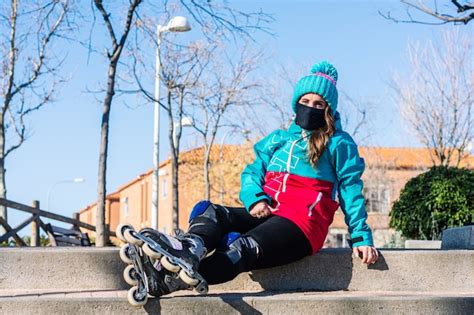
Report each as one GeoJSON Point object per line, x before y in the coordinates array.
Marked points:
{"type": "Point", "coordinates": [377, 198]}
{"type": "Point", "coordinates": [125, 206]}
{"type": "Point", "coordinates": [337, 238]}
{"type": "Point", "coordinates": [164, 188]}
{"type": "Point", "coordinates": [341, 240]}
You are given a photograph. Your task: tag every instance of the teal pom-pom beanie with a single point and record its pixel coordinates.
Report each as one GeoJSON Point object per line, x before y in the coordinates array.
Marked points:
{"type": "Point", "coordinates": [322, 81]}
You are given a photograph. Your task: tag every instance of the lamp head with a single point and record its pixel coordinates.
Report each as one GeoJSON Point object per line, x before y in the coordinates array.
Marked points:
{"type": "Point", "coordinates": [178, 24]}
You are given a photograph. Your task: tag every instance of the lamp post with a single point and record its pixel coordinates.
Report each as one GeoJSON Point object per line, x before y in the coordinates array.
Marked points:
{"type": "Point", "coordinates": [176, 24]}
{"type": "Point", "coordinates": [64, 181]}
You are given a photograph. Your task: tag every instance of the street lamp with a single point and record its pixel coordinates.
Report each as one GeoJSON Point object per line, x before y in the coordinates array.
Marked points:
{"type": "Point", "coordinates": [176, 24]}
{"type": "Point", "coordinates": [64, 181]}
{"type": "Point", "coordinates": [185, 122]}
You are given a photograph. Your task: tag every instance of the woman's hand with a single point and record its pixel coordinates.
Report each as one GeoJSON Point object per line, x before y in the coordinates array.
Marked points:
{"type": "Point", "coordinates": [368, 254]}
{"type": "Point", "coordinates": [261, 210]}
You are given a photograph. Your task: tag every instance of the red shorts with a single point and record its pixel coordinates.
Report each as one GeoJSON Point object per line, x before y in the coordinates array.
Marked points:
{"type": "Point", "coordinates": [305, 201]}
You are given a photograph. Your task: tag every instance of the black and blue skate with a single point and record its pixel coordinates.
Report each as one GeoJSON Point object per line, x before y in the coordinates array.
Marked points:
{"type": "Point", "coordinates": [178, 256]}
{"type": "Point", "coordinates": [145, 274]}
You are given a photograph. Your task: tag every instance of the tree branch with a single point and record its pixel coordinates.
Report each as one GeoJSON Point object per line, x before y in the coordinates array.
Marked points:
{"type": "Point", "coordinates": [443, 17]}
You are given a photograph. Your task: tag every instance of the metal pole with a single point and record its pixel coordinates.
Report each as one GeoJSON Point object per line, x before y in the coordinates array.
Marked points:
{"type": "Point", "coordinates": [156, 137]}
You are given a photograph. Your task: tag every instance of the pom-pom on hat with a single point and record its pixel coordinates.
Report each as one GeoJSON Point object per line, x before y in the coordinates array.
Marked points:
{"type": "Point", "coordinates": [322, 81]}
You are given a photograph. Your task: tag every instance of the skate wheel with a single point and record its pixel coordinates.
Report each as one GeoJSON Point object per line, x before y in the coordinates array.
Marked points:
{"type": "Point", "coordinates": [187, 278]}
{"type": "Point", "coordinates": [151, 252]}
{"type": "Point", "coordinates": [135, 298]}
{"type": "Point", "coordinates": [202, 288]}
{"type": "Point", "coordinates": [130, 275]}
{"type": "Point", "coordinates": [121, 228]}
{"type": "Point", "coordinates": [168, 265]}
{"type": "Point", "coordinates": [125, 254]}
{"type": "Point", "coordinates": [130, 236]}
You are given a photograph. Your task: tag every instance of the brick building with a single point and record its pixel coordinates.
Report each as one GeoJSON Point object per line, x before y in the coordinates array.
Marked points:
{"type": "Point", "coordinates": [387, 171]}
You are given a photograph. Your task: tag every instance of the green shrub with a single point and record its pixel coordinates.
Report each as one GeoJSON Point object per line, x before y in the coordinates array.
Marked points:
{"type": "Point", "coordinates": [433, 201]}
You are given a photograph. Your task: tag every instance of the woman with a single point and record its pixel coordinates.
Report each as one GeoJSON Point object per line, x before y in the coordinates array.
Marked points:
{"type": "Point", "coordinates": [289, 197]}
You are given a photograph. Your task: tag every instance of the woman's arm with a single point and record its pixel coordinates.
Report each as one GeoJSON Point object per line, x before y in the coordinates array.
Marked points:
{"type": "Point", "coordinates": [253, 176]}
{"type": "Point", "coordinates": [349, 167]}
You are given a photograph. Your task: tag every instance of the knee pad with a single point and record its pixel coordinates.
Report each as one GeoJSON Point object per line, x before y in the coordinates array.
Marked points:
{"type": "Point", "coordinates": [207, 210]}
{"type": "Point", "coordinates": [243, 252]}
{"type": "Point", "coordinates": [203, 208]}
{"type": "Point", "coordinates": [228, 239]}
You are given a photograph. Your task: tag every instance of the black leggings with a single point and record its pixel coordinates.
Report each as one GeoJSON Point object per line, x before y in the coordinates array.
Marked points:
{"type": "Point", "coordinates": [264, 243]}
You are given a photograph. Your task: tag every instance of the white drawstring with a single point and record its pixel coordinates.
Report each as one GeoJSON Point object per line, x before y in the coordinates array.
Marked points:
{"type": "Point", "coordinates": [318, 198]}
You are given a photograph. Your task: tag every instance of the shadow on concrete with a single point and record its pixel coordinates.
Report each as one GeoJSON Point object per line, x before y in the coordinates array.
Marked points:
{"type": "Point", "coordinates": [381, 264]}
{"type": "Point", "coordinates": [237, 301]}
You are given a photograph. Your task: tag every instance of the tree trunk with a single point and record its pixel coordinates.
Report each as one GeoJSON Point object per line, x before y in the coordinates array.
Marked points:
{"type": "Point", "coordinates": [3, 189]}
{"type": "Point", "coordinates": [6, 105]}
{"type": "Point", "coordinates": [174, 165]}
{"type": "Point", "coordinates": [207, 182]}
{"type": "Point", "coordinates": [207, 156]}
{"type": "Point", "coordinates": [101, 232]}
{"type": "Point", "coordinates": [174, 171]}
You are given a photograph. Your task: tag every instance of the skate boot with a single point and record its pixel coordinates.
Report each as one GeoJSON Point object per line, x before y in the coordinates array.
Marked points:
{"type": "Point", "coordinates": [175, 258]}
{"type": "Point", "coordinates": [160, 280]}
{"type": "Point", "coordinates": [185, 246]}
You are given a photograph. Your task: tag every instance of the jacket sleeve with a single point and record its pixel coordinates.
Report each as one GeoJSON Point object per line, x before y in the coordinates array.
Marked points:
{"type": "Point", "coordinates": [253, 176]}
{"type": "Point", "coordinates": [349, 168]}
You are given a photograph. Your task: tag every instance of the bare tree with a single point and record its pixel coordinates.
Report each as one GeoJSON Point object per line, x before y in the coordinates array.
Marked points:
{"type": "Point", "coordinates": [30, 72]}
{"type": "Point", "coordinates": [226, 84]}
{"type": "Point", "coordinates": [354, 116]}
{"type": "Point", "coordinates": [460, 12]}
{"type": "Point", "coordinates": [219, 20]}
{"type": "Point", "coordinates": [113, 56]}
{"type": "Point", "coordinates": [436, 99]}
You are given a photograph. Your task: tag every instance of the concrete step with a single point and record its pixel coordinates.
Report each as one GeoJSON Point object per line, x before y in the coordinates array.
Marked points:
{"type": "Point", "coordinates": [331, 269]}
{"type": "Point", "coordinates": [337, 302]}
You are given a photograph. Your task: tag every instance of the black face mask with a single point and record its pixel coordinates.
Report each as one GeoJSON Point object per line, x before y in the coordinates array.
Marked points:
{"type": "Point", "coordinates": [309, 118]}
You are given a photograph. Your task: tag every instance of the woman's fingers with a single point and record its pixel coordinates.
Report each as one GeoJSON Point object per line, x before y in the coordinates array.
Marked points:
{"type": "Point", "coordinates": [261, 212]}
{"type": "Point", "coordinates": [370, 255]}
{"type": "Point", "coordinates": [355, 251]}
{"type": "Point", "coordinates": [376, 255]}
{"type": "Point", "coordinates": [365, 254]}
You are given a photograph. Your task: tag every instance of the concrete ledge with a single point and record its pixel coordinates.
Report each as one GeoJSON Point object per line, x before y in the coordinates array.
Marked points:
{"type": "Point", "coordinates": [331, 269]}
{"type": "Point", "coordinates": [246, 303]}
{"type": "Point", "coordinates": [61, 268]}
{"type": "Point", "coordinates": [420, 244]}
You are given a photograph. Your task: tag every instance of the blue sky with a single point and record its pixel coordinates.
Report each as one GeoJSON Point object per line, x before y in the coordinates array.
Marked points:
{"type": "Point", "coordinates": [64, 140]}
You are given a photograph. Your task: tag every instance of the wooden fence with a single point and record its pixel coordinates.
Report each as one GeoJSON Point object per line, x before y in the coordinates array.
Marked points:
{"type": "Point", "coordinates": [37, 223]}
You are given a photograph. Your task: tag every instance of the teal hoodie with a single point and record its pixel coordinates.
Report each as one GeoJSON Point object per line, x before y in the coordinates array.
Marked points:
{"type": "Point", "coordinates": [340, 164]}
